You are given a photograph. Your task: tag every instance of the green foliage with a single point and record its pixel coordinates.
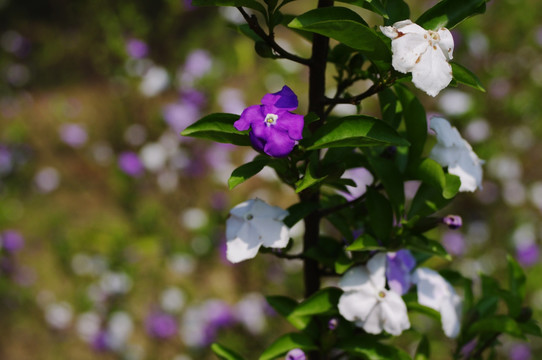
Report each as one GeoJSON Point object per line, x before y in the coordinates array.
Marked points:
{"type": "Point", "coordinates": [465, 76]}
{"type": "Point", "coordinates": [246, 171]}
{"type": "Point", "coordinates": [370, 349]}
{"type": "Point", "coordinates": [219, 128]}
{"type": "Point", "coordinates": [449, 13]}
{"type": "Point", "coordinates": [251, 4]}
{"type": "Point", "coordinates": [224, 353]}
{"type": "Point", "coordinates": [286, 343]}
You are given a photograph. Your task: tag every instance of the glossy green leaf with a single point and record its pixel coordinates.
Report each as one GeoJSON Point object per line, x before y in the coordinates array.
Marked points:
{"type": "Point", "coordinates": [428, 200]}
{"type": "Point", "coordinates": [453, 183]}
{"type": "Point", "coordinates": [388, 107]}
{"type": "Point", "coordinates": [449, 13]}
{"type": "Point", "coordinates": [414, 305]}
{"type": "Point", "coordinates": [430, 172]}
{"type": "Point", "coordinates": [428, 246]}
{"type": "Point", "coordinates": [347, 27]}
{"type": "Point", "coordinates": [380, 214]}
{"type": "Point", "coordinates": [298, 212]}
{"type": "Point", "coordinates": [322, 302]}
{"type": "Point", "coordinates": [369, 348]}
{"type": "Point", "coordinates": [397, 10]}
{"type": "Point", "coordinates": [224, 353]}
{"type": "Point", "coordinates": [354, 131]}
{"type": "Point", "coordinates": [415, 121]}
{"type": "Point", "coordinates": [423, 352]}
{"type": "Point", "coordinates": [251, 4]}
{"type": "Point", "coordinates": [496, 324]}
{"type": "Point", "coordinates": [218, 127]}
{"type": "Point", "coordinates": [372, 5]}
{"type": "Point", "coordinates": [309, 179]}
{"type": "Point", "coordinates": [516, 278]}
{"type": "Point", "coordinates": [464, 76]}
{"type": "Point", "coordinates": [246, 171]}
{"type": "Point", "coordinates": [392, 179]}
{"type": "Point", "coordinates": [365, 242]}
{"type": "Point", "coordinates": [285, 306]}
{"type": "Point", "coordinates": [531, 328]}
{"type": "Point", "coordinates": [286, 343]}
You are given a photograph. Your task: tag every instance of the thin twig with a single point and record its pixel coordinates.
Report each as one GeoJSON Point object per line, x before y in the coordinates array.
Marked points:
{"type": "Point", "coordinates": [252, 22]}
{"type": "Point", "coordinates": [332, 209]}
{"type": "Point", "coordinates": [288, 256]}
{"type": "Point", "coordinates": [375, 88]}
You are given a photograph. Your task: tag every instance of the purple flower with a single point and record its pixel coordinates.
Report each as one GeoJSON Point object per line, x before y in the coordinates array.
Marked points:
{"type": "Point", "coordinates": [274, 129]}
{"type": "Point", "coordinates": [130, 164]}
{"type": "Point", "coordinates": [295, 354]}
{"type": "Point", "coordinates": [453, 221]}
{"type": "Point", "coordinates": [73, 135]}
{"type": "Point", "coordinates": [101, 341]}
{"type": "Point", "coordinates": [11, 241]}
{"type": "Point", "coordinates": [219, 314]}
{"type": "Point", "coordinates": [400, 264]}
{"type": "Point", "coordinates": [6, 160]}
{"type": "Point", "coordinates": [333, 323]}
{"type": "Point", "coordinates": [136, 48]}
{"type": "Point", "coordinates": [528, 254]}
{"type": "Point", "coordinates": [161, 325]}
{"type": "Point", "coordinates": [454, 243]}
{"type": "Point", "coordinates": [520, 352]}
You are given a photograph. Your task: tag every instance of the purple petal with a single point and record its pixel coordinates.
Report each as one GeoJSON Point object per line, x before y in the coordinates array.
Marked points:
{"type": "Point", "coordinates": [257, 142]}
{"type": "Point", "coordinates": [279, 145]}
{"type": "Point", "coordinates": [284, 99]}
{"type": "Point", "coordinates": [292, 123]}
{"type": "Point", "coordinates": [249, 116]}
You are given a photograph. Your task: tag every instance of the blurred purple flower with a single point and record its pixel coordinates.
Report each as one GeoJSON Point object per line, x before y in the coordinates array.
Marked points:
{"type": "Point", "coordinates": [295, 354]}
{"type": "Point", "coordinates": [468, 348]}
{"type": "Point", "coordinates": [453, 221]}
{"type": "Point", "coordinates": [73, 135]}
{"type": "Point", "coordinates": [6, 160]}
{"type": "Point", "coordinates": [193, 97]}
{"type": "Point", "coordinates": [130, 164]}
{"type": "Point", "coordinates": [528, 254]}
{"type": "Point", "coordinates": [400, 264]}
{"type": "Point", "coordinates": [179, 115]}
{"type": "Point", "coordinates": [136, 48]}
{"type": "Point", "coordinates": [197, 64]}
{"type": "Point", "coordinates": [274, 129]}
{"type": "Point", "coordinates": [11, 240]}
{"type": "Point", "coordinates": [188, 5]}
{"type": "Point", "coordinates": [454, 243]}
{"type": "Point", "coordinates": [520, 352]}
{"type": "Point", "coordinates": [100, 342]}
{"type": "Point", "coordinates": [333, 323]}
{"type": "Point", "coordinates": [161, 325]}
{"type": "Point", "coordinates": [219, 314]}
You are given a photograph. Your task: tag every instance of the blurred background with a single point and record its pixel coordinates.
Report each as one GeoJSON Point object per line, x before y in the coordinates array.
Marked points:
{"type": "Point", "coordinates": [112, 224]}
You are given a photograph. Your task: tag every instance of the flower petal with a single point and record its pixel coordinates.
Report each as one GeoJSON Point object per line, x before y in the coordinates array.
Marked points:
{"type": "Point", "coordinates": [394, 314]}
{"type": "Point", "coordinates": [469, 170]}
{"type": "Point", "coordinates": [356, 305]}
{"type": "Point", "coordinates": [272, 233]}
{"type": "Point", "coordinates": [432, 73]}
{"type": "Point", "coordinates": [250, 115]}
{"type": "Point", "coordinates": [408, 27]}
{"type": "Point", "coordinates": [240, 210]}
{"type": "Point", "coordinates": [377, 270]}
{"type": "Point", "coordinates": [261, 209]}
{"type": "Point", "coordinates": [355, 278]}
{"type": "Point", "coordinates": [284, 99]}
{"type": "Point", "coordinates": [244, 246]}
{"type": "Point", "coordinates": [450, 316]}
{"type": "Point", "coordinates": [291, 123]}
{"type": "Point", "coordinates": [446, 43]}
{"type": "Point", "coordinates": [279, 144]}
{"type": "Point", "coordinates": [373, 322]}
{"type": "Point", "coordinates": [432, 288]}
{"type": "Point", "coordinates": [408, 51]}
{"type": "Point", "coordinates": [233, 225]}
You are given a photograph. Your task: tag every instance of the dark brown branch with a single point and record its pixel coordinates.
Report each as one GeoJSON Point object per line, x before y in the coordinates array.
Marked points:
{"type": "Point", "coordinates": [375, 88]}
{"type": "Point", "coordinates": [288, 256]}
{"type": "Point", "coordinates": [252, 22]}
{"type": "Point", "coordinates": [330, 210]}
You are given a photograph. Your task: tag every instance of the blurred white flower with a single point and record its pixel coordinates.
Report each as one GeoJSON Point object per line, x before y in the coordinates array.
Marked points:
{"type": "Point", "coordinates": [114, 283]}
{"type": "Point", "coordinates": [252, 224]}
{"type": "Point", "coordinates": [436, 293]}
{"type": "Point", "coordinates": [153, 156]}
{"type": "Point", "coordinates": [454, 152]}
{"type": "Point", "coordinates": [59, 315]}
{"type": "Point", "coordinates": [155, 80]}
{"type": "Point", "coordinates": [119, 328]}
{"type": "Point", "coordinates": [455, 102]}
{"type": "Point", "coordinates": [424, 53]}
{"type": "Point", "coordinates": [194, 218]}
{"type": "Point", "coordinates": [172, 299]}
{"type": "Point", "coordinates": [368, 303]}
{"type": "Point", "coordinates": [361, 177]}
{"type": "Point", "coordinates": [47, 179]}
{"type": "Point", "coordinates": [250, 311]}
{"type": "Point", "coordinates": [88, 325]}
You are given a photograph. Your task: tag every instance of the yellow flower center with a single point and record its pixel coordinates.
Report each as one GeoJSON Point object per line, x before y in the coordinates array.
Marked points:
{"type": "Point", "coordinates": [271, 119]}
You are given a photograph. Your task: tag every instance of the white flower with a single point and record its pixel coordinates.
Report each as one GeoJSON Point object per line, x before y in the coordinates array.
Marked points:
{"type": "Point", "coordinates": [454, 152]}
{"type": "Point", "coordinates": [424, 53]}
{"type": "Point", "coordinates": [436, 293]}
{"type": "Point", "coordinates": [252, 224]}
{"type": "Point", "coordinates": [367, 301]}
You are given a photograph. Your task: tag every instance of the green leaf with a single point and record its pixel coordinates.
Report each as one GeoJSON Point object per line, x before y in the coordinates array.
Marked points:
{"type": "Point", "coordinates": [298, 212]}
{"type": "Point", "coordinates": [531, 327]}
{"type": "Point", "coordinates": [369, 348]}
{"type": "Point", "coordinates": [496, 324]}
{"type": "Point", "coordinates": [264, 50]}
{"type": "Point", "coordinates": [428, 246]}
{"type": "Point", "coordinates": [365, 242]}
{"type": "Point", "coordinates": [392, 179]}
{"type": "Point", "coordinates": [415, 121]}
{"type": "Point", "coordinates": [224, 353]}
{"type": "Point", "coordinates": [354, 131]}
{"type": "Point", "coordinates": [218, 127]}
{"type": "Point", "coordinates": [449, 13]}
{"type": "Point", "coordinates": [251, 4]}
{"type": "Point", "coordinates": [465, 76]}
{"type": "Point", "coordinates": [322, 302]}
{"type": "Point", "coordinates": [380, 214]}
{"type": "Point", "coordinates": [286, 343]}
{"type": "Point", "coordinates": [388, 107]}
{"type": "Point", "coordinates": [309, 179]}
{"type": "Point", "coordinates": [397, 10]}
{"type": "Point", "coordinates": [285, 307]}
{"type": "Point", "coordinates": [347, 27]}
{"type": "Point", "coordinates": [423, 351]}
{"type": "Point", "coordinates": [419, 308]}
{"type": "Point", "coordinates": [516, 278]}
{"type": "Point", "coordinates": [248, 32]}
{"type": "Point", "coordinates": [453, 183]}
{"type": "Point", "coordinates": [246, 171]}
{"type": "Point", "coordinates": [430, 172]}
{"type": "Point", "coordinates": [428, 200]}
{"type": "Point", "coordinates": [371, 5]}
